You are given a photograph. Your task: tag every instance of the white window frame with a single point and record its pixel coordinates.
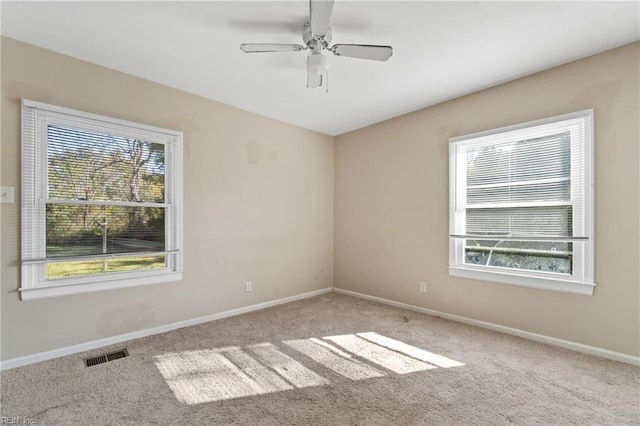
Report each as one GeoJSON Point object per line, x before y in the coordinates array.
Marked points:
{"type": "Point", "coordinates": [581, 281]}
{"type": "Point", "coordinates": [36, 116]}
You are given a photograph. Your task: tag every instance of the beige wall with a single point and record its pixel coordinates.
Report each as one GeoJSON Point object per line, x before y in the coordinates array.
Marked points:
{"type": "Point", "coordinates": [258, 205]}
{"type": "Point", "coordinates": [391, 204]}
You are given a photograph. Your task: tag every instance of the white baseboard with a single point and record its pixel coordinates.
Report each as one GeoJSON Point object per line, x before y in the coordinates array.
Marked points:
{"type": "Point", "coordinates": [70, 350]}
{"type": "Point", "coordinates": [578, 347]}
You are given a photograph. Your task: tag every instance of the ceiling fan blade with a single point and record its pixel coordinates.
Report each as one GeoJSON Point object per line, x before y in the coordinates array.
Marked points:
{"type": "Point", "coordinates": [363, 51]}
{"type": "Point", "coordinates": [270, 47]}
{"type": "Point", "coordinates": [320, 13]}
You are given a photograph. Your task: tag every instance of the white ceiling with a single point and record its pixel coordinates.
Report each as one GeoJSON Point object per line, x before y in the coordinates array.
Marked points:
{"type": "Point", "coordinates": [442, 50]}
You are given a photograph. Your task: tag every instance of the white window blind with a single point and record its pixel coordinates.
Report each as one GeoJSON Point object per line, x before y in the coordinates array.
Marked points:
{"type": "Point", "coordinates": [521, 203]}
{"type": "Point", "coordinates": [101, 202]}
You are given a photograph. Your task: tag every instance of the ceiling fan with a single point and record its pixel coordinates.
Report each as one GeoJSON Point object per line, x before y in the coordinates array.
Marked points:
{"type": "Point", "coordinates": [317, 36]}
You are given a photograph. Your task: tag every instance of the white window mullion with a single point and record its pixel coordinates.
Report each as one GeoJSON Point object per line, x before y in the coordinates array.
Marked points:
{"type": "Point", "coordinates": [506, 205]}
{"type": "Point", "coordinates": [105, 203]}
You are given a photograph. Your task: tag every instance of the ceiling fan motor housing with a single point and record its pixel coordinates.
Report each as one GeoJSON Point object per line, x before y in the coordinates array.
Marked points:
{"type": "Point", "coordinates": [311, 39]}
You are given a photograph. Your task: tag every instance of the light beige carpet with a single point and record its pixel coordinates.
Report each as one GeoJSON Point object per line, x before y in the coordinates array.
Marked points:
{"type": "Point", "coordinates": [328, 360]}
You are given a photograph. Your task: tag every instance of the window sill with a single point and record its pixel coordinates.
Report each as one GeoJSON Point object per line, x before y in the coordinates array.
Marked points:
{"type": "Point", "coordinates": [55, 290]}
{"type": "Point", "coordinates": [543, 283]}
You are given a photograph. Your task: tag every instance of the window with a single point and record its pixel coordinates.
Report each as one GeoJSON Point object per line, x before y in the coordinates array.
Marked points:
{"type": "Point", "coordinates": [521, 203]}
{"type": "Point", "coordinates": [101, 202]}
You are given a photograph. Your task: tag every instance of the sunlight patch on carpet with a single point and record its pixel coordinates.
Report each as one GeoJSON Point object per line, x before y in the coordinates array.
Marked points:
{"type": "Point", "coordinates": [291, 370]}
{"type": "Point", "coordinates": [387, 358]}
{"type": "Point", "coordinates": [210, 375]}
{"type": "Point", "coordinates": [412, 351]}
{"type": "Point", "coordinates": [334, 359]}
{"type": "Point", "coordinates": [218, 374]}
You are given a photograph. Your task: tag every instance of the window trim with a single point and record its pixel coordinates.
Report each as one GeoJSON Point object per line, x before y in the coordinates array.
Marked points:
{"type": "Point", "coordinates": [34, 285]}
{"type": "Point", "coordinates": [582, 280]}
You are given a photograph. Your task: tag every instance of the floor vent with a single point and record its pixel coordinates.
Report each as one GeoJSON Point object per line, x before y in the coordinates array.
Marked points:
{"type": "Point", "coordinates": [90, 362]}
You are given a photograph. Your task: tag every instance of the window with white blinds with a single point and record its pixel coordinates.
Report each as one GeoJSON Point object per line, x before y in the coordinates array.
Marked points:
{"type": "Point", "coordinates": [101, 202]}
{"type": "Point", "coordinates": [521, 203]}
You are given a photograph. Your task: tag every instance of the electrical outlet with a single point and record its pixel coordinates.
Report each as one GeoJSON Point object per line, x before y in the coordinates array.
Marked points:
{"type": "Point", "coordinates": [423, 287]}
{"type": "Point", "coordinates": [6, 194]}
{"type": "Point", "coordinates": [248, 286]}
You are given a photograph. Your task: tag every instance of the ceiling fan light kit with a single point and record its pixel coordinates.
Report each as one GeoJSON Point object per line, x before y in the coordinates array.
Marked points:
{"type": "Point", "coordinates": [316, 36]}
{"type": "Point", "coordinates": [318, 63]}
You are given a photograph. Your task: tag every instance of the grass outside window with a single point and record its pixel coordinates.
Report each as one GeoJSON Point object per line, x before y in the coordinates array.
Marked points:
{"type": "Point", "coordinates": [57, 270]}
